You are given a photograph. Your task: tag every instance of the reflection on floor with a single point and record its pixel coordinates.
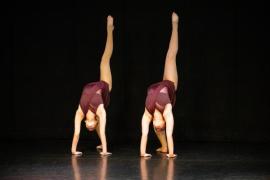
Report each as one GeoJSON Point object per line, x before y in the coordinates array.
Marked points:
{"type": "Point", "coordinates": [52, 160]}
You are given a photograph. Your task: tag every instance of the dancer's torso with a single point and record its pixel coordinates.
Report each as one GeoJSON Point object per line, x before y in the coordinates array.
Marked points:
{"type": "Point", "coordinates": [159, 95]}
{"type": "Point", "coordinates": [93, 95]}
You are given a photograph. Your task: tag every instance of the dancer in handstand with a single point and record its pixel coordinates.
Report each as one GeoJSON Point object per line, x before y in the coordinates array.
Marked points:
{"type": "Point", "coordinates": [95, 98]}
{"type": "Point", "coordinates": [161, 99]}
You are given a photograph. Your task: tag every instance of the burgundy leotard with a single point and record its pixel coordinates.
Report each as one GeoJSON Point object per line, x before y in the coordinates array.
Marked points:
{"type": "Point", "coordinates": [156, 99]}
{"type": "Point", "coordinates": [93, 95]}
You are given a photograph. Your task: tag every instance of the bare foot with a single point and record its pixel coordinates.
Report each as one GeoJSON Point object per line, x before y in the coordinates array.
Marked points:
{"type": "Point", "coordinates": [110, 22]}
{"type": "Point", "coordinates": [162, 150]}
{"type": "Point", "coordinates": [175, 18]}
{"type": "Point", "coordinates": [99, 147]}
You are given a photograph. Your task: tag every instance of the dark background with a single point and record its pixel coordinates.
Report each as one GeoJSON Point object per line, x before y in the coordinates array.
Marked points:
{"type": "Point", "coordinates": [53, 48]}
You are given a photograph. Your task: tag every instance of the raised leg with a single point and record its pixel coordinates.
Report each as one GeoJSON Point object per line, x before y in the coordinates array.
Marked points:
{"type": "Point", "coordinates": [170, 69]}
{"type": "Point", "coordinates": [105, 70]}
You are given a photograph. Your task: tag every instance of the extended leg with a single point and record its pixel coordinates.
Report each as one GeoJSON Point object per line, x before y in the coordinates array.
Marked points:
{"type": "Point", "coordinates": [170, 69]}
{"type": "Point", "coordinates": [162, 138]}
{"type": "Point", "coordinates": [105, 70]}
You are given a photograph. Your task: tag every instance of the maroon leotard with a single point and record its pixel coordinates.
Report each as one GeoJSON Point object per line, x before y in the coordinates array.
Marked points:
{"type": "Point", "coordinates": [93, 95]}
{"type": "Point", "coordinates": [158, 100]}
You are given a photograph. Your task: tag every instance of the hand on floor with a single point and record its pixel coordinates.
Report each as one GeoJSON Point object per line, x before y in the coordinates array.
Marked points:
{"type": "Point", "coordinates": [171, 155]}
{"type": "Point", "coordinates": [77, 153]}
{"type": "Point", "coordinates": [146, 155]}
{"type": "Point", "coordinates": [105, 153]}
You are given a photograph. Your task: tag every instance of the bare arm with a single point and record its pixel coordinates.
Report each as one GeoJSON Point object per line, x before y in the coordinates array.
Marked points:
{"type": "Point", "coordinates": [77, 128]}
{"type": "Point", "coordinates": [146, 119]}
{"type": "Point", "coordinates": [98, 133]}
{"type": "Point", "coordinates": [102, 127]}
{"type": "Point", "coordinates": [168, 116]}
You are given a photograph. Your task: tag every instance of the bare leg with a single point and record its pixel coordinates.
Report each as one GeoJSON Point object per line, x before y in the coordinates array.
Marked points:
{"type": "Point", "coordinates": [105, 70]}
{"type": "Point", "coordinates": [170, 69]}
{"type": "Point", "coordinates": [162, 138]}
{"type": "Point", "coordinates": [158, 116]}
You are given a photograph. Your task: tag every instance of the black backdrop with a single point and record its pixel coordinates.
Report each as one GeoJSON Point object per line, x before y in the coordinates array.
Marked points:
{"type": "Point", "coordinates": [52, 48]}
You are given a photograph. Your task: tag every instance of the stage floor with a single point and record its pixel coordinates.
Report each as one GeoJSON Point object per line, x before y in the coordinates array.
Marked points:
{"type": "Point", "coordinates": [52, 160]}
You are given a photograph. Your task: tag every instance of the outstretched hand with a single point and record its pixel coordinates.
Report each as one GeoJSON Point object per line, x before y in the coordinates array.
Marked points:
{"type": "Point", "coordinates": [175, 18]}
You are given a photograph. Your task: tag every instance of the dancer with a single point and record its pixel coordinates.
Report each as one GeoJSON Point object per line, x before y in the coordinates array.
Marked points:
{"type": "Point", "coordinates": [95, 98]}
{"type": "Point", "coordinates": [160, 100]}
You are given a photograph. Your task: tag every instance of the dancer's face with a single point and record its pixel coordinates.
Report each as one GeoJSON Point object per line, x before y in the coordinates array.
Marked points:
{"type": "Point", "coordinates": [91, 124]}
{"type": "Point", "coordinates": [159, 123]}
